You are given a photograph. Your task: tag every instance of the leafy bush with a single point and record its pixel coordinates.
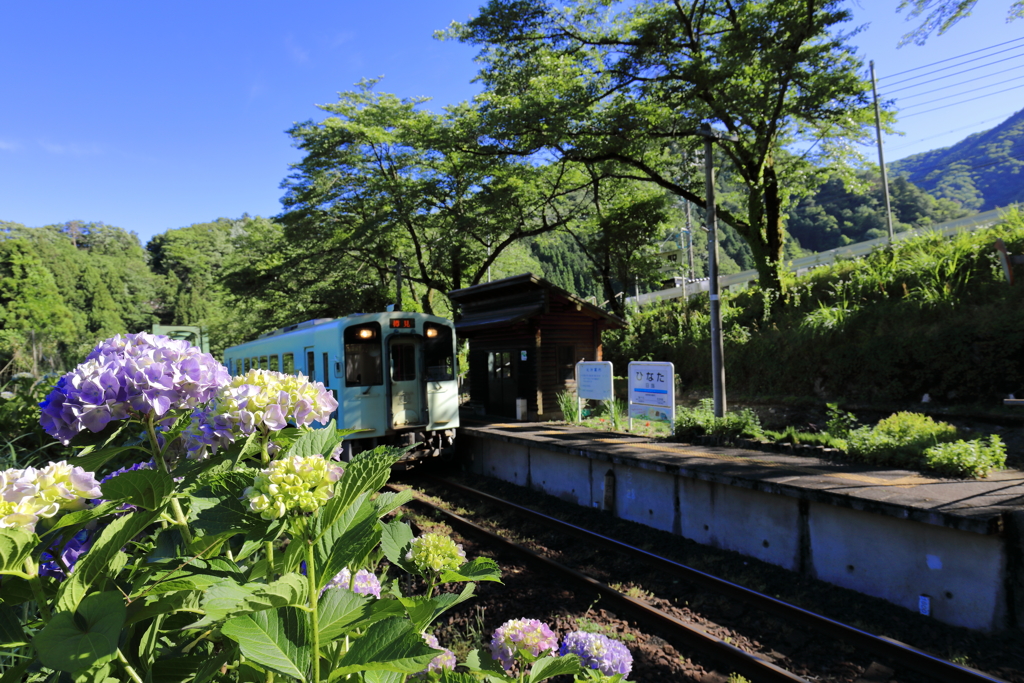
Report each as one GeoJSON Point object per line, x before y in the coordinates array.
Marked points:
{"type": "Point", "coordinates": [701, 421]}
{"type": "Point", "coordinates": [974, 459]}
{"type": "Point", "coordinates": [840, 422]}
{"type": "Point", "coordinates": [569, 405]}
{"type": "Point", "coordinates": [900, 439]}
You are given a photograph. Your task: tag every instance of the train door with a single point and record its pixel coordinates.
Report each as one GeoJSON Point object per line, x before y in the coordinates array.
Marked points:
{"type": "Point", "coordinates": [406, 382]}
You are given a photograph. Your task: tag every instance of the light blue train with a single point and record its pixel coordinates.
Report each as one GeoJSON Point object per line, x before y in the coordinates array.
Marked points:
{"type": "Point", "coordinates": [394, 374]}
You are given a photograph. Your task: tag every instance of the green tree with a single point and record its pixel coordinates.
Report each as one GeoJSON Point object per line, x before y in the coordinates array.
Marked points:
{"type": "Point", "coordinates": [942, 14]}
{"type": "Point", "coordinates": [581, 82]}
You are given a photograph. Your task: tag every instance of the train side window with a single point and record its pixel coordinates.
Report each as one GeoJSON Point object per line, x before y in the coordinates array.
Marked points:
{"type": "Point", "coordinates": [264, 365]}
{"type": "Point", "coordinates": [438, 352]}
{"type": "Point", "coordinates": [274, 363]}
{"type": "Point", "coordinates": [254, 362]}
{"type": "Point", "coordinates": [311, 364]}
{"type": "Point", "coordinates": [288, 364]}
{"type": "Point", "coordinates": [363, 365]}
{"type": "Point", "coordinates": [246, 364]}
{"type": "Point", "coordinates": [327, 372]}
{"type": "Point", "coordinates": [238, 366]}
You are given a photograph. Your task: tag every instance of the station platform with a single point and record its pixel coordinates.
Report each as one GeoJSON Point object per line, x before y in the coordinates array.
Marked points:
{"type": "Point", "coordinates": [951, 548]}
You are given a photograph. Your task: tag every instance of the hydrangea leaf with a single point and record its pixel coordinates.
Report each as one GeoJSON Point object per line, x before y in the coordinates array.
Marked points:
{"type": "Point", "coordinates": [317, 441]}
{"type": "Point", "coordinates": [15, 546]}
{"type": "Point", "coordinates": [395, 540]}
{"type": "Point", "coordinates": [85, 516]}
{"type": "Point", "coordinates": [546, 667]}
{"type": "Point", "coordinates": [481, 660]}
{"type": "Point", "coordinates": [275, 639]}
{"type": "Point", "coordinates": [177, 669]}
{"type": "Point", "coordinates": [368, 472]}
{"type": "Point", "coordinates": [392, 500]}
{"type": "Point", "coordinates": [449, 676]}
{"type": "Point", "coordinates": [147, 489]}
{"type": "Point", "coordinates": [97, 563]}
{"type": "Point", "coordinates": [75, 641]}
{"type": "Point", "coordinates": [340, 611]}
{"type": "Point", "coordinates": [228, 598]}
{"type": "Point", "coordinates": [480, 569]}
{"type": "Point", "coordinates": [91, 460]}
{"type": "Point", "coordinates": [211, 667]}
{"type": "Point", "coordinates": [383, 677]}
{"type": "Point", "coordinates": [12, 634]}
{"type": "Point", "coordinates": [147, 608]}
{"type": "Point", "coordinates": [346, 542]}
{"type": "Point", "coordinates": [389, 645]}
{"type": "Point", "coordinates": [216, 506]}
{"type": "Point", "coordinates": [424, 611]}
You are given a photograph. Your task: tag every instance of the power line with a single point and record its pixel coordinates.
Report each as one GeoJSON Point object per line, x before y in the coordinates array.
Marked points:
{"type": "Point", "coordinates": [953, 104]}
{"type": "Point", "coordinates": [947, 164]}
{"type": "Point", "coordinates": [954, 130]}
{"type": "Point", "coordinates": [942, 61]}
{"type": "Point", "coordinates": [964, 92]}
{"type": "Point", "coordinates": [940, 78]}
{"type": "Point", "coordinates": [953, 85]}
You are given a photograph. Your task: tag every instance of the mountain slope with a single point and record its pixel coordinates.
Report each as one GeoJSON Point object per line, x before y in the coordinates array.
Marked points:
{"type": "Point", "coordinates": [981, 172]}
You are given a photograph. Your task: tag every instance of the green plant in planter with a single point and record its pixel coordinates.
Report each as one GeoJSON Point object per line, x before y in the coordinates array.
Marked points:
{"type": "Point", "coordinates": [226, 544]}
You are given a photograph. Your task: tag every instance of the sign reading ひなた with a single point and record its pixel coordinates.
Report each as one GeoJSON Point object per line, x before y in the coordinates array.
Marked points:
{"type": "Point", "coordinates": [652, 390]}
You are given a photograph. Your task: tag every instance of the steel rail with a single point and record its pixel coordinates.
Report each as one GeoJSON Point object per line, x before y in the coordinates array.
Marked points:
{"type": "Point", "coordinates": [739, 661]}
{"type": "Point", "coordinates": [897, 652]}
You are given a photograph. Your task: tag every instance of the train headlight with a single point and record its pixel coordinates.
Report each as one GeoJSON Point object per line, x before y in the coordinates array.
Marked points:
{"type": "Point", "coordinates": [431, 332]}
{"type": "Point", "coordinates": [366, 333]}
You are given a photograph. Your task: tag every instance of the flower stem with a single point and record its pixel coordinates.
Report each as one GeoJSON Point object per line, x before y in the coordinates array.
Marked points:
{"type": "Point", "coordinates": [37, 589]}
{"type": "Point", "coordinates": [128, 667]}
{"type": "Point", "coordinates": [158, 455]}
{"type": "Point", "coordinates": [268, 547]}
{"type": "Point", "coordinates": [314, 598]}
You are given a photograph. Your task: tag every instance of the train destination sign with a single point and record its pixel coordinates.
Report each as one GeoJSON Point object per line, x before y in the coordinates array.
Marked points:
{"type": "Point", "coordinates": [402, 323]}
{"type": "Point", "coordinates": [652, 391]}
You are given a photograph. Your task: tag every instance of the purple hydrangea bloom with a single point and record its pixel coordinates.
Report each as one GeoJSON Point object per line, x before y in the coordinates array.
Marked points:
{"type": "Point", "coordinates": [130, 376]}
{"type": "Point", "coordinates": [364, 583]}
{"type": "Point", "coordinates": [150, 465]}
{"type": "Point", "coordinates": [528, 635]}
{"type": "Point", "coordinates": [73, 549]}
{"type": "Point", "coordinates": [445, 660]}
{"type": "Point", "coordinates": [600, 652]}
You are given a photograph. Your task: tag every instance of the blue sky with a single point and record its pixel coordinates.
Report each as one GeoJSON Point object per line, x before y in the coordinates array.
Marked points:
{"type": "Point", "coordinates": [152, 116]}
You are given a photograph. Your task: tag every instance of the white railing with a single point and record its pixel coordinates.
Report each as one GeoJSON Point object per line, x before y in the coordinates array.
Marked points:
{"type": "Point", "coordinates": [823, 258]}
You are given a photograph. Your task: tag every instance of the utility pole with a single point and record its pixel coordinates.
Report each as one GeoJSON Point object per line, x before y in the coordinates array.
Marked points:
{"type": "Point", "coordinates": [689, 241]}
{"type": "Point", "coordinates": [881, 156]}
{"type": "Point", "coordinates": [717, 349]}
{"type": "Point", "coordinates": [398, 282]}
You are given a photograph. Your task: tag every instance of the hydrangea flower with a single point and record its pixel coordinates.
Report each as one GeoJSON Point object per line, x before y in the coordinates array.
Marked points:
{"type": "Point", "coordinates": [527, 635]}
{"type": "Point", "coordinates": [29, 494]}
{"type": "Point", "coordinates": [301, 483]}
{"type": "Point", "coordinates": [365, 583]}
{"type": "Point", "coordinates": [435, 553]}
{"type": "Point", "coordinates": [73, 549]}
{"type": "Point", "coordinates": [600, 652]}
{"type": "Point", "coordinates": [130, 376]}
{"type": "Point", "coordinates": [445, 660]}
{"type": "Point", "coordinates": [258, 400]}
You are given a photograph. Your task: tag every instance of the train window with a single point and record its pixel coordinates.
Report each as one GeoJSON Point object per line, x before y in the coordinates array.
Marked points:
{"type": "Point", "coordinates": [438, 352]}
{"type": "Point", "coordinates": [327, 373]}
{"type": "Point", "coordinates": [264, 365]}
{"type": "Point", "coordinates": [274, 363]}
{"type": "Point", "coordinates": [403, 362]}
{"type": "Point", "coordinates": [254, 362]}
{"type": "Point", "coordinates": [363, 365]}
{"type": "Point", "coordinates": [288, 364]}
{"type": "Point", "coordinates": [310, 365]}
{"type": "Point", "coordinates": [246, 364]}
{"type": "Point", "coordinates": [238, 366]}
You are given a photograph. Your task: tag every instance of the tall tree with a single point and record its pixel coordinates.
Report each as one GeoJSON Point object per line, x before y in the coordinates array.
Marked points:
{"type": "Point", "coordinates": [631, 83]}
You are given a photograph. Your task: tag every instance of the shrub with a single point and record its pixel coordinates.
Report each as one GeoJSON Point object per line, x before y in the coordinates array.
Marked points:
{"type": "Point", "coordinates": [840, 422]}
{"type": "Point", "coordinates": [701, 421]}
{"type": "Point", "coordinates": [973, 459]}
{"type": "Point", "coordinates": [569, 405]}
{"type": "Point", "coordinates": [900, 439]}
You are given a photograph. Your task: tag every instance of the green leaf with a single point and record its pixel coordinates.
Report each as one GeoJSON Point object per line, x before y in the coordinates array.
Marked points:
{"type": "Point", "coordinates": [367, 473]}
{"type": "Point", "coordinates": [316, 441]}
{"type": "Point", "coordinates": [546, 667]}
{"type": "Point", "coordinates": [341, 611]}
{"type": "Point", "coordinates": [211, 667]}
{"type": "Point", "coordinates": [383, 677]}
{"type": "Point", "coordinates": [480, 569]}
{"type": "Point", "coordinates": [275, 639]}
{"type": "Point", "coordinates": [389, 645]}
{"type": "Point", "coordinates": [227, 598]}
{"type": "Point", "coordinates": [12, 634]}
{"type": "Point", "coordinates": [102, 557]}
{"type": "Point", "coordinates": [178, 669]}
{"type": "Point", "coordinates": [85, 516]}
{"type": "Point", "coordinates": [481, 660]}
{"type": "Point", "coordinates": [77, 641]}
{"type": "Point", "coordinates": [395, 539]}
{"type": "Point", "coordinates": [346, 542]}
{"type": "Point", "coordinates": [390, 501]}
{"type": "Point", "coordinates": [16, 673]}
{"type": "Point", "coordinates": [149, 607]}
{"type": "Point", "coordinates": [15, 546]}
{"type": "Point", "coordinates": [147, 489]}
{"type": "Point", "coordinates": [93, 460]}
{"type": "Point", "coordinates": [424, 611]}
{"type": "Point", "coordinates": [448, 676]}
{"type": "Point", "coordinates": [217, 507]}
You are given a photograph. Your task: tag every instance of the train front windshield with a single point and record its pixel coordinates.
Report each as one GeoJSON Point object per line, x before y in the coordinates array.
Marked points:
{"type": "Point", "coordinates": [363, 365]}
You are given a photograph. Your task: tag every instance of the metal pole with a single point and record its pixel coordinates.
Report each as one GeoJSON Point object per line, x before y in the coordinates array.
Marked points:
{"type": "Point", "coordinates": [717, 350]}
{"type": "Point", "coordinates": [689, 240]}
{"type": "Point", "coordinates": [881, 156]}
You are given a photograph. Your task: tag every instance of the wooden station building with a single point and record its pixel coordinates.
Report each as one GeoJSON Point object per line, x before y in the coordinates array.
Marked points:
{"type": "Point", "coordinates": [525, 337]}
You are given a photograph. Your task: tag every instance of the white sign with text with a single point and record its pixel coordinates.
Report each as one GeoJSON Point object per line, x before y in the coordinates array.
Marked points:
{"type": "Point", "coordinates": [594, 380]}
{"type": "Point", "coordinates": [652, 391]}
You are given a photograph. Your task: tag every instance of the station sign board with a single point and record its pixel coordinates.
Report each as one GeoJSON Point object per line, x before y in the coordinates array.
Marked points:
{"type": "Point", "coordinates": [652, 391]}
{"type": "Point", "coordinates": [594, 380]}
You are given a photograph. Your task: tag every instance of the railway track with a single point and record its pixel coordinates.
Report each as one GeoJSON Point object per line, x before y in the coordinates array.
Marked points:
{"type": "Point", "coordinates": [752, 666]}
